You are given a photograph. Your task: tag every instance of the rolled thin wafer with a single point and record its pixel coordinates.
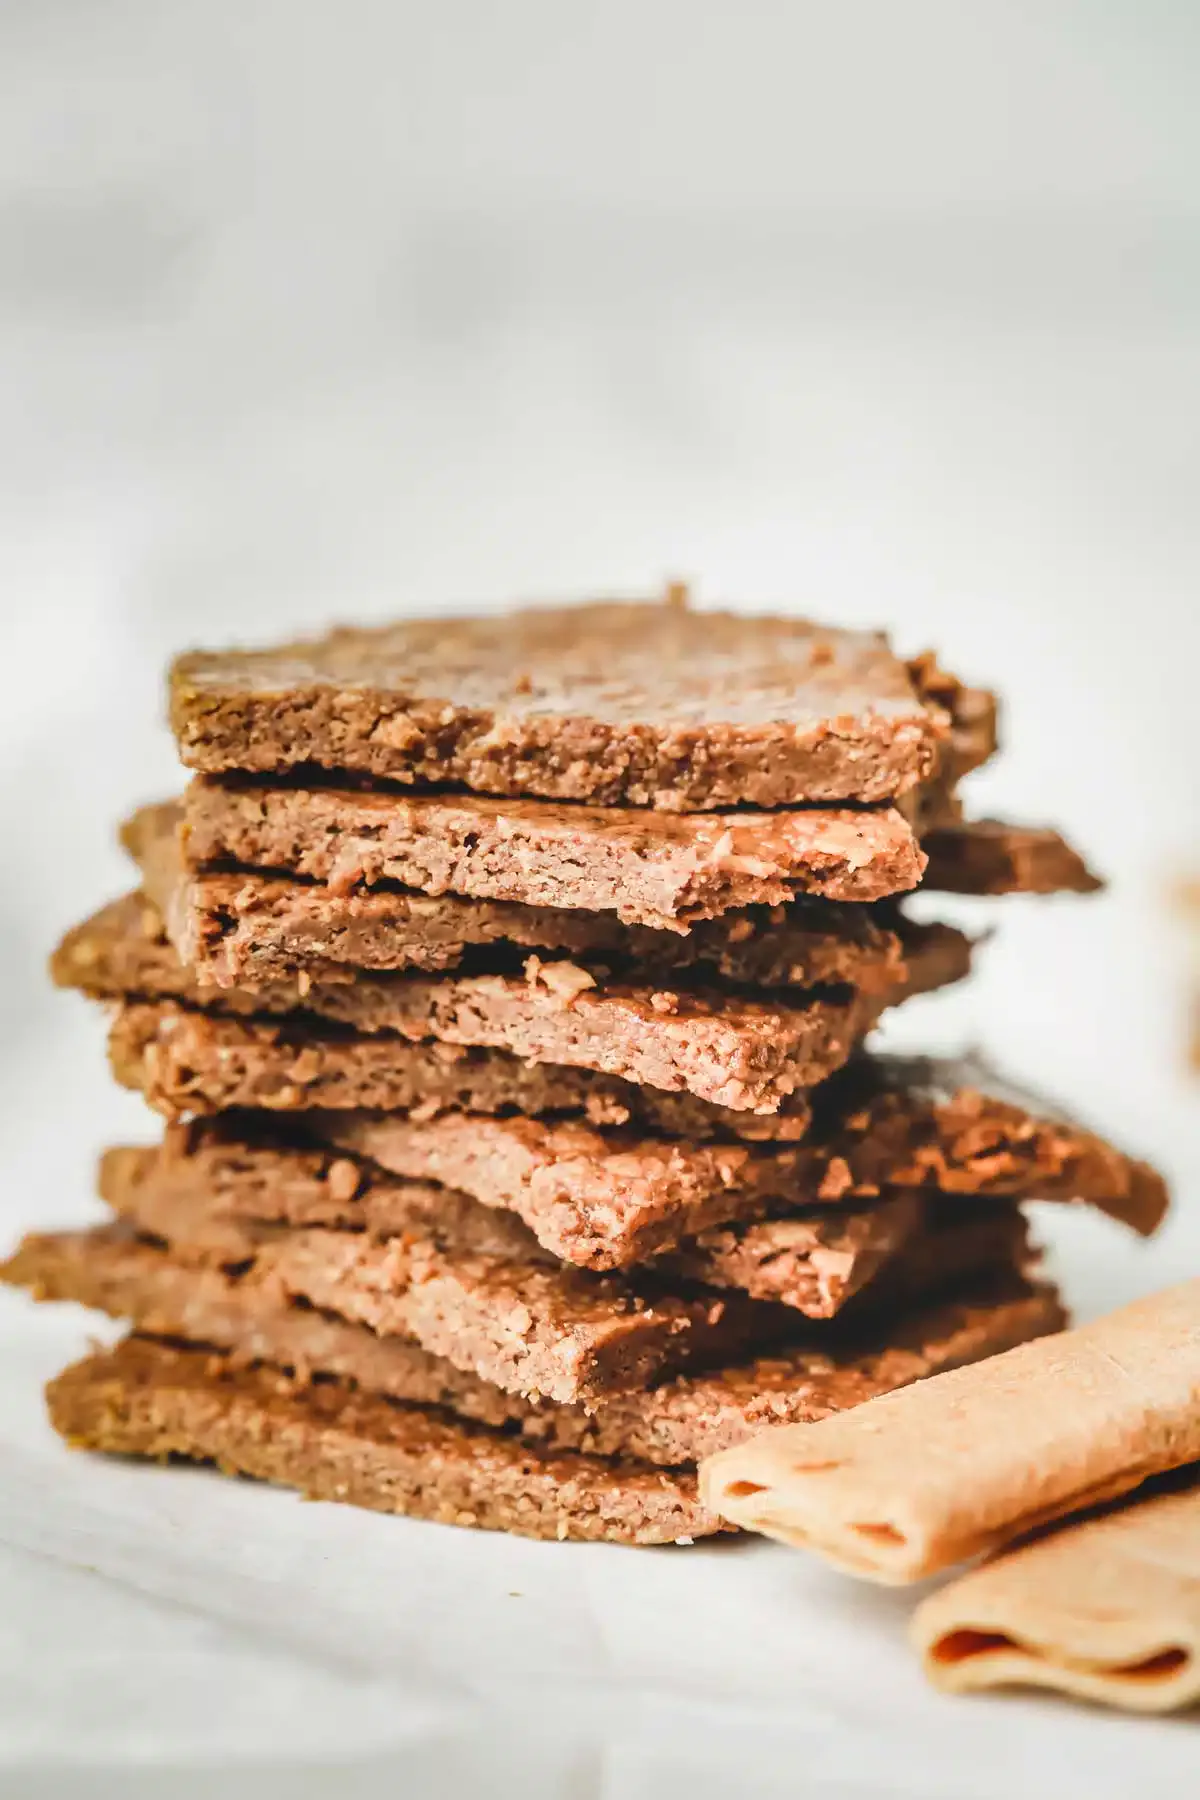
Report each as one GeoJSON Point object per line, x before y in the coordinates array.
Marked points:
{"type": "Point", "coordinates": [957, 1465]}
{"type": "Point", "coordinates": [1106, 1608]}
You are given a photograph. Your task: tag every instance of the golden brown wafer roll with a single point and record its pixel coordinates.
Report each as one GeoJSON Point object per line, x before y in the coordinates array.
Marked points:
{"type": "Point", "coordinates": [957, 1465]}
{"type": "Point", "coordinates": [1105, 1608]}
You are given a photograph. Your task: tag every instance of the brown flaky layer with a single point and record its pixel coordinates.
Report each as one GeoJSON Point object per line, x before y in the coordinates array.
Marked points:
{"type": "Point", "coordinates": [729, 1049]}
{"type": "Point", "coordinates": [519, 1320]}
{"type": "Point", "coordinates": [205, 1183]}
{"type": "Point", "coordinates": [904, 1249]}
{"type": "Point", "coordinates": [206, 1180]}
{"type": "Point", "coordinates": [678, 1422]}
{"type": "Point", "coordinates": [815, 1261]}
{"type": "Point", "coordinates": [733, 1055]}
{"type": "Point", "coordinates": [734, 1052]}
{"type": "Point", "coordinates": [123, 949]}
{"type": "Point", "coordinates": [147, 1398]}
{"type": "Point", "coordinates": [613, 1193]}
{"type": "Point", "coordinates": [952, 1124]}
{"type": "Point", "coordinates": [1104, 1608]}
{"type": "Point", "coordinates": [600, 1199]}
{"type": "Point", "coordinates": [188, 1062]}
{"type": "Point", "coordinates": [609, 1198]}
{"type": "Point", "coordinates": [683, 870]}
{"type": "Point", "coordinates": [247, 926]}
{"type": "Point", "coordinates": [958, 1125]}
{"type": "Point", "coordinates": [971, 1460]}
{"type": "Point", "coordinates": [734, 1049]}
{"type": "Point", "coordinates": [652, 705]}
{"type": "Point", "coordinates": [989, 856]}
{"type": "Point", "coordinates": [657, 869]}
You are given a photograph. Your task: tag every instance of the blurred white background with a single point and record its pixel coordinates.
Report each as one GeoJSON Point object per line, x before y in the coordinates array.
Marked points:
{"type": "Point", "coordinates": [890, 314]}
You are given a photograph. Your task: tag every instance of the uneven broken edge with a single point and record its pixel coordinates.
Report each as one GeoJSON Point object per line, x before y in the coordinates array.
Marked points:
{"type": "Point", "coordinates": [746, 1058]}
{"type": "Point", "coordinates": [957, 1125]}
{"type": "Point", "coordinates": [952, 1124]}
{"type": "Point", "coordinates": [606, 1200]}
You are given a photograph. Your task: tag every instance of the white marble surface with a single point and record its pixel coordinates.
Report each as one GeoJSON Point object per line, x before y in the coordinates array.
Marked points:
{"type": "Point", "coordinates": [889, 314]}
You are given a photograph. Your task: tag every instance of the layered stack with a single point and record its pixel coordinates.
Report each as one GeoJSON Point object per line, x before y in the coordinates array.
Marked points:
{"type": "Point", "coordinates": [504, 984]}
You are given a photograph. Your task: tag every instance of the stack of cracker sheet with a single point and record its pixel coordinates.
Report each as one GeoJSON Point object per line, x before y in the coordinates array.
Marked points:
{"type": "Point", "coordinates": [504, 985]}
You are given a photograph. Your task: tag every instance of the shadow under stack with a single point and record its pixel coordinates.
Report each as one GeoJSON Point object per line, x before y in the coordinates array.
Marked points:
{"type": "Point", "coordinates": [504, 984]}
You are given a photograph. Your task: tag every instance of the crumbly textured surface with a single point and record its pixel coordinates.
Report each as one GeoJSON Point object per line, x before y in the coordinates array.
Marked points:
{"type": "Point", "coordinates": [190, 1063]}
{"type": "Point", "coordinates": [147, 1398]}
{"type": "Point", "coordinates": [1105, 1608]}
{"type": "Point", "coordinates": [205, 1183]}
{"type": "Point", "coordinates": [677, 1422]}
{"type": "Point", "coordinates": [117, 1272]}
{"type": "Point", "coordinates": [957, 1125]}
{"type": "Point", "coordinates": [733, 1051]}
{"type": "Point", "coordinates": [529, 1327]}
{"type": "Point", "coordinates": [522, 1322]}
{"type": "Point", "coordinates": [652, 705]}
{"type": "Point", "coordinates": [658, 869]}
{"type": "Point", "coordinates": [732, 1048]}
{"type": "Point", "coordinates": [603, 1200]}
{"type": "Point", "coordinates": [339, 972]}
{"type": "Point", "coordinates": [600, 1200]}
{"type": "Point", "coordinates": [988, 856]}
{"type": "Point", "coordinates": [728, 1052]}
{"type": "Point", "coordinates": [974, 1459]}
{"type": "Point", "coordinates": [815, 1261]}
{"type": "Point", "coordinates": [574, 1336]}
{"type": "Point", "coordinates": [608, 1199]}
{"type": "Point", "coordinates": [974, 722]}
{"type": "Point", "coordinates": [246, 926]}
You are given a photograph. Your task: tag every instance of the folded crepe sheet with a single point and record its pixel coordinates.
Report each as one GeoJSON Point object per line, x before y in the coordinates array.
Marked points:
{"type": "Point", "coordinates": [1106, 1609]}
{"type": "Point", "coordinates": [953, 1467]}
